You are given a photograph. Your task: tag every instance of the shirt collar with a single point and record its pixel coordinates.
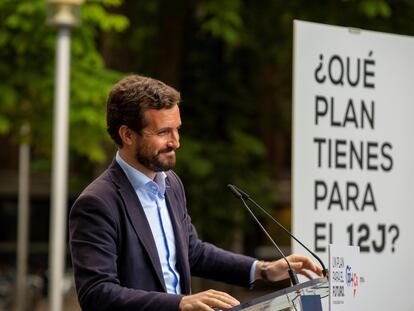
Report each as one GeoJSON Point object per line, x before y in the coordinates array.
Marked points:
{"type": "Point", "coordinates": [141, 181]}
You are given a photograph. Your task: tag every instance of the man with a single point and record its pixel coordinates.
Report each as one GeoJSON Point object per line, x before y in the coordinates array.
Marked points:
{"type": "Point", "coordinates": [132, 241]}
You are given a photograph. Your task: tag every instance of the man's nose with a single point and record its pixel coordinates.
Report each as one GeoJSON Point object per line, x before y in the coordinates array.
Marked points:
{"type": "Point", "coordinates": [174, 140]}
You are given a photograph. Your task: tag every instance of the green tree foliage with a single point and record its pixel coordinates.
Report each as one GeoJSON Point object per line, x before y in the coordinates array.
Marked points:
{"type": "Point", "coordinates": [27, 51]}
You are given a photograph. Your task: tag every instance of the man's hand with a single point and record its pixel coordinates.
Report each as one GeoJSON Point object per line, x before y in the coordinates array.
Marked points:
{"type": "Point", "coordinates": [208, 300]}
{"type": "Point", "coordinates": [278, 270]}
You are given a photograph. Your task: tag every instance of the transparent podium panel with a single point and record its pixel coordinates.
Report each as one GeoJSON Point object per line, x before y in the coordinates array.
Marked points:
{"type": "Point", "coordinates": [288, 298]}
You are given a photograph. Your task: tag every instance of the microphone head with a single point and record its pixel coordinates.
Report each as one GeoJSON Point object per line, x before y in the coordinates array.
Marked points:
{"type": "Point", "coordinates": [242, 193]}
{"type": "Point", "coordinates": [233, 190]}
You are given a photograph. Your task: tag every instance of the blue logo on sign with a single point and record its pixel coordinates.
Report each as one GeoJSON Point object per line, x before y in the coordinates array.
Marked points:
{"type": "Point", "coordinates": [348, 275]}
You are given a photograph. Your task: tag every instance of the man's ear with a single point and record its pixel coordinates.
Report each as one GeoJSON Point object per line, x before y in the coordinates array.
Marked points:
{"type": "Point", "coordinates": [126, 134]}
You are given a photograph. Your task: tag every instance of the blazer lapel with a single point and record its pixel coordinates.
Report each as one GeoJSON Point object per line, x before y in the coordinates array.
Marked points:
{"type": "Point", "coordinates": [137, 217]}
{"type": "Point", "coordinates": [180, 245]}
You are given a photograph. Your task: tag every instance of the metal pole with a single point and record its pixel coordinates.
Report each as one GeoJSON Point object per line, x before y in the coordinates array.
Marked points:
{"type": "Point", "coordinates": [23, 220]}
{"type": "Point", "coordinates": [57, 251]}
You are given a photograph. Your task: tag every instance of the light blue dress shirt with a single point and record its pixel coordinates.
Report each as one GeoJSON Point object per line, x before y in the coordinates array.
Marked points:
{"type": "Point", "coordinates": [151, 194]}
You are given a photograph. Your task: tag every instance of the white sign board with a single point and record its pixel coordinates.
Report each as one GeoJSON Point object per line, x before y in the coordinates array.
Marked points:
{"type": "Point", "coordinates": [345, 288]}
{"type": "Point", "coordinates": [353, 152]}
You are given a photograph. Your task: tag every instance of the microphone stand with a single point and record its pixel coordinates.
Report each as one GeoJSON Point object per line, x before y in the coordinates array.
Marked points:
{"type": "Point", "coordinates": [292, 275]}
{"type": "Point", "coordinates": [244, 195]}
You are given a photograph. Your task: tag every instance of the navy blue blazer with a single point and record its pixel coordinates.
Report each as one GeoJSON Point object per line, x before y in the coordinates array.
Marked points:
{"type": "Point", "coordinates": [114, 256]}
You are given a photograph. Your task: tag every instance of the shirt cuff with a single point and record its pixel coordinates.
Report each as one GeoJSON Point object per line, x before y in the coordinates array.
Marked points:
{"type": "Point", "coordinates": [253, 272]}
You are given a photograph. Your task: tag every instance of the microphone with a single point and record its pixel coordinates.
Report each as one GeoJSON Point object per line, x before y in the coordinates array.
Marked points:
{"type": "Point", "coordinates": [292, 275]}
{"type": "Point", "coordinates": [245, 196]}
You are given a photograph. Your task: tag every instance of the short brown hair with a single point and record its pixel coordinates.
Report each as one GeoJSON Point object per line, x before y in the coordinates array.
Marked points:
{"type": "Point", "coordinates": [131, 97]}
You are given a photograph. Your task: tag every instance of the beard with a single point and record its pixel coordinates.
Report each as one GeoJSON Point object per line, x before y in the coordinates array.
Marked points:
{"type": "Point", "coordinates": [158, 162]}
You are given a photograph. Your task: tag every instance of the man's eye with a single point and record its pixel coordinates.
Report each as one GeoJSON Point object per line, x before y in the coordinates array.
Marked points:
{"type": "Point", "coordinates": [163, 133]}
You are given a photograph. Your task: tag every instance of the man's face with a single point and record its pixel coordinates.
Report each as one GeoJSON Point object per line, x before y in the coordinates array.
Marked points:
{"type": "Point", "coordinates": [155, 148]}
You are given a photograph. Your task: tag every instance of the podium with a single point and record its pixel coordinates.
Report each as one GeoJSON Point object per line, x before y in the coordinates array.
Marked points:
{"type": "Point", "coordinates": [305, 296]}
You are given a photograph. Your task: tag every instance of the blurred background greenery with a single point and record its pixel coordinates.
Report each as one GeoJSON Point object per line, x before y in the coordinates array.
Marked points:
{"type": "Point", "coordinates": [232, 62]}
